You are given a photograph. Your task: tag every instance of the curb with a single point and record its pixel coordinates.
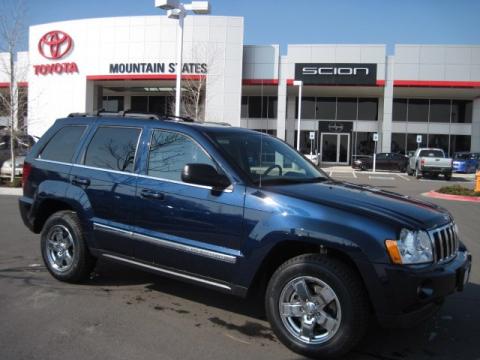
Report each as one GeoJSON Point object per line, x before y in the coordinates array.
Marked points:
{"type": "Point", "coordinates": [436, 195]}
{"type": "Point", "coordinates": [11, 191]}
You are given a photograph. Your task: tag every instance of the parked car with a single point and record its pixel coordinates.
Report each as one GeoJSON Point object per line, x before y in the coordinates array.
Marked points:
{"type": "Point", "coordinates": [430, 161]}
{"type": "Point", "coordinates": [23, 143]}
{"type": "Point", "coordinates": [384, 161]}
{"type": "Point", "coordinates": [240, 212]}
{"type": "Point", "coordinates": [465, 162]}
{"type": "Point", "coordinates": [6, 168]}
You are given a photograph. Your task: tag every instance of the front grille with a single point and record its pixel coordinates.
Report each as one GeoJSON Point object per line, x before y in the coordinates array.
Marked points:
{"type": "Point", "coordinates": [445, 241]}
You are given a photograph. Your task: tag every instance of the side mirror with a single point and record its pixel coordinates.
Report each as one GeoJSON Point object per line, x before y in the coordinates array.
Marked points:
{"type": "Point", "coordinates": [204, 174]}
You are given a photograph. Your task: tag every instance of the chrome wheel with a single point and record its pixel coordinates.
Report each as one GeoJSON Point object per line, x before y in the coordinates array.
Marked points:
{"type": "Point", "coordinates": [60, 248]}
{"type": "Point", "coordinates": [310, 310]}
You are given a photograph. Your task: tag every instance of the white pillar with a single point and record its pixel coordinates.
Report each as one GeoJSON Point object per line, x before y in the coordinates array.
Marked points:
{"type": "Point", "coordinates": [290, 120]}
{"type": "Point", "coordinates": [475, 143]}
{"type": "Point", "coordinates": [282, 99]}
{"type": "Point", "coordinates": [386, 136]}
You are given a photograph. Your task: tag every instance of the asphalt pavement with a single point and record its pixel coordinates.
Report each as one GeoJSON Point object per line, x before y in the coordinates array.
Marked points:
{"type": "Point", "coordinates": [122, 313]}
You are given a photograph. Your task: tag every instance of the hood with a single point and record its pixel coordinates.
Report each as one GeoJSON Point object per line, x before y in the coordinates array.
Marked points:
{"type": "Point", "coordinates": [369, 201]}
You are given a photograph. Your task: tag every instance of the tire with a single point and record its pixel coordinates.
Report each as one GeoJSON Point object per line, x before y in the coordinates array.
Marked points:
{"type": "Point", "coordinates": [64, 250]}
{"type": "Point", "coordinates": [418, 173]}
{"type": "Point", "coordinates": [409, 170]}
{"type": "Point", "coordinates": [448, 176]}
{"type": "Point", "coordinates": [346, 314]}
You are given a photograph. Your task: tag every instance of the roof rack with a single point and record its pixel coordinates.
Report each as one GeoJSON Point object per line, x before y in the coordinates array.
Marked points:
{"type": "Point", "coordinates": [135, 114]}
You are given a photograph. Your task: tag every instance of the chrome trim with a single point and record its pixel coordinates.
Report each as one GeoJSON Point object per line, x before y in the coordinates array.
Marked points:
{"type": "Point", "coordinates": [448, 242]}
{"type": "Point", "coordinates": [231, 259]}
{"type": "Point", "coordinates": [187, 248]}
{"type": "Point", "coordinates": [170, 272]}
{"type": "Point", "coordinates": [53, 161]}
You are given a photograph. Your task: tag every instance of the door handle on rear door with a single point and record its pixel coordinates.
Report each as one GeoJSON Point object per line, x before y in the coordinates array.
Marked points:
{"type": "Point", "coordinates": [80, 181]}
{"type": "Point", "coordinates": [152, 194]}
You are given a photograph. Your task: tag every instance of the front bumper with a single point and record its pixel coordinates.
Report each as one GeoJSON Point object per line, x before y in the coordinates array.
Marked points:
{"type": "Point", "coordinates": [459, 167]}
{"type": "Point", "coordinates": [414, 293]}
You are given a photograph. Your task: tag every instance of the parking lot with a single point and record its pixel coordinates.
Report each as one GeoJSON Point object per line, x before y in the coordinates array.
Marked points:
{"type": "Point", "coordinates": [122, 313]}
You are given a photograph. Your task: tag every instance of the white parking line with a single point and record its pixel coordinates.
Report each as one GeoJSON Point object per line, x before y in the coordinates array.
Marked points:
{"type": "Point", "coordinates": [381, 177]}
{"type": "Point", "coordinates": [403, 177]}
{"type": "Point", "coordinates": [354, 175]}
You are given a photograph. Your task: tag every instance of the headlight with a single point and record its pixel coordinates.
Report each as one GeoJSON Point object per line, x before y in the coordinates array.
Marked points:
{"type": "Point", "coordinates": [413, 247]}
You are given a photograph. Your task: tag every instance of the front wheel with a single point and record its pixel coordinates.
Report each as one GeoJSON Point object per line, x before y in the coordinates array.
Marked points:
{"type": "Point", "coordinates": [317, 306]}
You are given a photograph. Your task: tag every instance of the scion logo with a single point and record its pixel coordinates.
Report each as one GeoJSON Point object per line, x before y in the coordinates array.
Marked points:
{"type": "Point", "coordinates": [336, 74]}
{"type": "Point", "coordinates": [55, 45]}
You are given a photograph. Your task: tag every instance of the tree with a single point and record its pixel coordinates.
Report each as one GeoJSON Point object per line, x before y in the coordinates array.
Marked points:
{"type": "Point", "coordinates": [12, 32]}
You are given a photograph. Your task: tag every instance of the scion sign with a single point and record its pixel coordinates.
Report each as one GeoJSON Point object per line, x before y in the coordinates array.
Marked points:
{"type": "Point", "coordinates": [336, 74]}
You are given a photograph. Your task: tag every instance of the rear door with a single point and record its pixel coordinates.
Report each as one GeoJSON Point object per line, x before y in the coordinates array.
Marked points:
{"type": "Point", "coordinates": [104, 175]}
{"type": "Point", "coordinates": [382, 161]}
{"type": "Point", "coordinates": [185, 226]}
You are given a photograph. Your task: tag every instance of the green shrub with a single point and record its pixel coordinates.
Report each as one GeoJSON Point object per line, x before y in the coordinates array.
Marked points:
{"type": "Point", "coordinates": [458, 190]}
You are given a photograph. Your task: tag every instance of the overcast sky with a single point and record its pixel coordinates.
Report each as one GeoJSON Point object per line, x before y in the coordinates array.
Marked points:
{"type": "Point", "coordinates": [307, 21]}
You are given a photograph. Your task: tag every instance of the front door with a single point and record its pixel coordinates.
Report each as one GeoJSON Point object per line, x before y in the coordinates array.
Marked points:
{"type": "Point", "coordinates": [335, 148]}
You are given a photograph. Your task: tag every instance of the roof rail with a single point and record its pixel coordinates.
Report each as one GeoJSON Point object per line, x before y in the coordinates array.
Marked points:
{"type": "Point", "coordinates": [130, 113]}
{"type": "Point", "coordinates": [180, 118]}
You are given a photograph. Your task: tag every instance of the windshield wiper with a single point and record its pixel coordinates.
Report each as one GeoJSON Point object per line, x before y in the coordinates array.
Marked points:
{"type": "Point", "coordinates": [281, 181]}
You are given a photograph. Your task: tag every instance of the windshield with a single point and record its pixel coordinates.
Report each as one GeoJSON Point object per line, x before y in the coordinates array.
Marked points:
{"type": "Point", "coordinates": [432, 153]}
{"type": "Point", "coordinates": [461, 156]}
{"type": "Point", "coordinates": [265, 159]}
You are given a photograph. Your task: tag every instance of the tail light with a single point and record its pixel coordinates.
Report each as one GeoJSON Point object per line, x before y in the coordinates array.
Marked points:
{"type": "Point", "coordinates": [422, 162]}
{"type": "Point", "coordinates": [27, 168]}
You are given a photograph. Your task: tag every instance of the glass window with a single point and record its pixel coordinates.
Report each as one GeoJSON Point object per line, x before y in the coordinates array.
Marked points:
{"type": "Point", "coordinates": [347, 109]}
{"type": "Point", "coordinates": [255, 106]}
{"type": "Point", "coordinates": [461, 111]}
{"type": "Point", "coordinates": [139, 103]}
{"type": "Point", "coordinates": [431, 153]}
{"type": "Point", "coordinates": [364, 144]}
{"type": "Point", "coordinates": [438, 141]}
{"type": "Point", "coordinates": [170, 152]}
{"type": "Point", "coordinates": [399, 112]}
{"type": "Point", "coordinates": [113, 148]}
{"type": "Point", "coordinates": [398, 143]}
{"type": "Point", "coordinates": [305, 142]}
{"type": "Point", "coordinates": [308, 108]}
{"type": "Point", "coordinates": [157, 105]}
{"type": "Point", "coordinates": [412, 142]}
{"type": "Point", "coordinates": [244, 109]}
{"type": "Point", "coordinates": [63, 144]}
{"type": "Point", "coordinates": [440, 111]}
{"type": "Point", "coordinates": [367, 109]}
{"type": "Point", "coordinates": [265, 159]}
{"type": "Point", "coordinates": [418, 110]}
{"type": "Point", "coordinates": [326, 108]}
{"type": "Point", "coordinates": [459, 143]}
{"type": "Point", "coordinates": [272, 107]}
{"type": "Point", "coordinates": [113, 103]}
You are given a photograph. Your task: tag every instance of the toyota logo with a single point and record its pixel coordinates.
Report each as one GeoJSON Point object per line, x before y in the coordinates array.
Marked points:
{"type": "Point", "coordinates": [55, 45]}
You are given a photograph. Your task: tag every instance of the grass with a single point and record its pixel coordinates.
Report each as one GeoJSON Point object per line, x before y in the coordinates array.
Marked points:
{"type": "Point", "coordinates": [458, 190]}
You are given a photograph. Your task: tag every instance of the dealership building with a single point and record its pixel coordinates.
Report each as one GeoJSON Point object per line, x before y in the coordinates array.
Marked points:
{"type": "Point", "coordinates": [349, 92]}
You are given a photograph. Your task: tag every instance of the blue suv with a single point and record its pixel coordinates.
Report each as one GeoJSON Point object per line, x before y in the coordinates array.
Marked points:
{"type": "Point", "coordinates": [239, 211]}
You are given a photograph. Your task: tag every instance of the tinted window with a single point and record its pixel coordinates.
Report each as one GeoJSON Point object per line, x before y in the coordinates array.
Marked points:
{"type": "Point", "coordinates": [367, 109]}
{"type": "Point", "coordinates": [272, 107]}
{"type": "Point", "coordinates": [461, 111]}
{"type": "Point", "coordinates": [398, 142]}
{"type": "Point", "coordinates": [440, 111]}
{"type": "Point", "coordinates": [431, 153]}
{"type": "Point", "coordinates": [326, 108]}
{"type": "Point", "coordinates": [460, 143]}
{"type": "Point", "coordinates": [347, 109]}
{"type": "Point", "coordinates": [170, 152]}
{"type": "Point", "coordinates": [63, 144]}
{"type": "Point", "coordinates": [438, 141]}
{"type": "Point", "coordinates": [139, 103]}
{"type": "Point", "coordinates": [113, 103]}
{"type": "Point", "coordinates": [418, 110]}
{"type": "Point", "coordinates": [244, 111]}
{"type": "Point", "coordinates": [113, 148]}
{"type": "Point", "coordinates": [399, 110]}
{"type": "Point", "coordinates": [308, 108]}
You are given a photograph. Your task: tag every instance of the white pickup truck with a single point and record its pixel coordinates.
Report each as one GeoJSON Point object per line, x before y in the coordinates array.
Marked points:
{"type": "Point", "coordinates": [430, 161]}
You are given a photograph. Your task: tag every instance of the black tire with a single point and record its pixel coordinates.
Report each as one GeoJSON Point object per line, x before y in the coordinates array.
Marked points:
{"type": "Point", "coordinates": [448, 176]}
{"type": "Point", "coordinates": [409, 170]}
{"type": "Point", "coordinates": [82, 262]}
{"type": "Point", "coordinates": [418, 173]}
{"type": "Point", "coordinates": [351, 296]}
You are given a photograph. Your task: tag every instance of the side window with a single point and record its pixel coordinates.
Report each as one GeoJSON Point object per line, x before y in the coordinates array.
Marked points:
{"type": "Point", "coordinates": [170, 152]}
{"type": "Point", "coordinates": [63, 144]}
{"type": "Point", "coordinates": [113, 148]}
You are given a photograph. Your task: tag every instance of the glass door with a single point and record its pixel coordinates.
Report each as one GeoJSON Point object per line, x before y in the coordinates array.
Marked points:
{"type": "Point", "coordinates": [335, 148]}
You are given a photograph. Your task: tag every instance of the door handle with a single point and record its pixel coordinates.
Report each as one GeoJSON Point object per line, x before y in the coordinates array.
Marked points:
{"type": "Point", "coordinates": [152, 194]}
{"type": "Point", "coordinates": [80, 181]}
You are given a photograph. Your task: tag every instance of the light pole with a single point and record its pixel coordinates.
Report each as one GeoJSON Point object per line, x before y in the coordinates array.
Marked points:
{"type": "Point", "coordinates": [178, 10]}
{"type": "Point", "coordinates": [299, 83]}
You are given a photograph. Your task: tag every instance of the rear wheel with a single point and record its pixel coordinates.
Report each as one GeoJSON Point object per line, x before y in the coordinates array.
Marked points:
{"type": "Point", "coordinates": [64, 250]}
{"type": "Point", "coordinates": [448, 176]}
{"type": "Point", "coordinates": [317, 306]}
{"type": "Point", "coordinates": [409, 170]}
{"type": "Point", "coordinates": [418, 173]}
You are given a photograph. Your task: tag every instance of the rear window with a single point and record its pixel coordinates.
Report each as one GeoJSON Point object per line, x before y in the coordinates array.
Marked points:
{"type": "Point", "coordinates": [113, 148]}
{"type": "Point", "coordinates": [63, 144]}
{"type": "Point", "coordinates": [432, 153]}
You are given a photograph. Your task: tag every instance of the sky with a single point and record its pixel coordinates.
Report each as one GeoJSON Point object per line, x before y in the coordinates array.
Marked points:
{"type": "Point", "coordinates": [306, 21]}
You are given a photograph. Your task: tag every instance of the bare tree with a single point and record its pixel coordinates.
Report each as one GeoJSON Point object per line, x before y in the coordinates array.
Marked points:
{"type": "Point", "coordinates": [12, 32]}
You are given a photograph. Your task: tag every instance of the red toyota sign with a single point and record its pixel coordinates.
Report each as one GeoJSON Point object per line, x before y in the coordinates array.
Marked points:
{"type": "Point", "coordinates": [55, 44]}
